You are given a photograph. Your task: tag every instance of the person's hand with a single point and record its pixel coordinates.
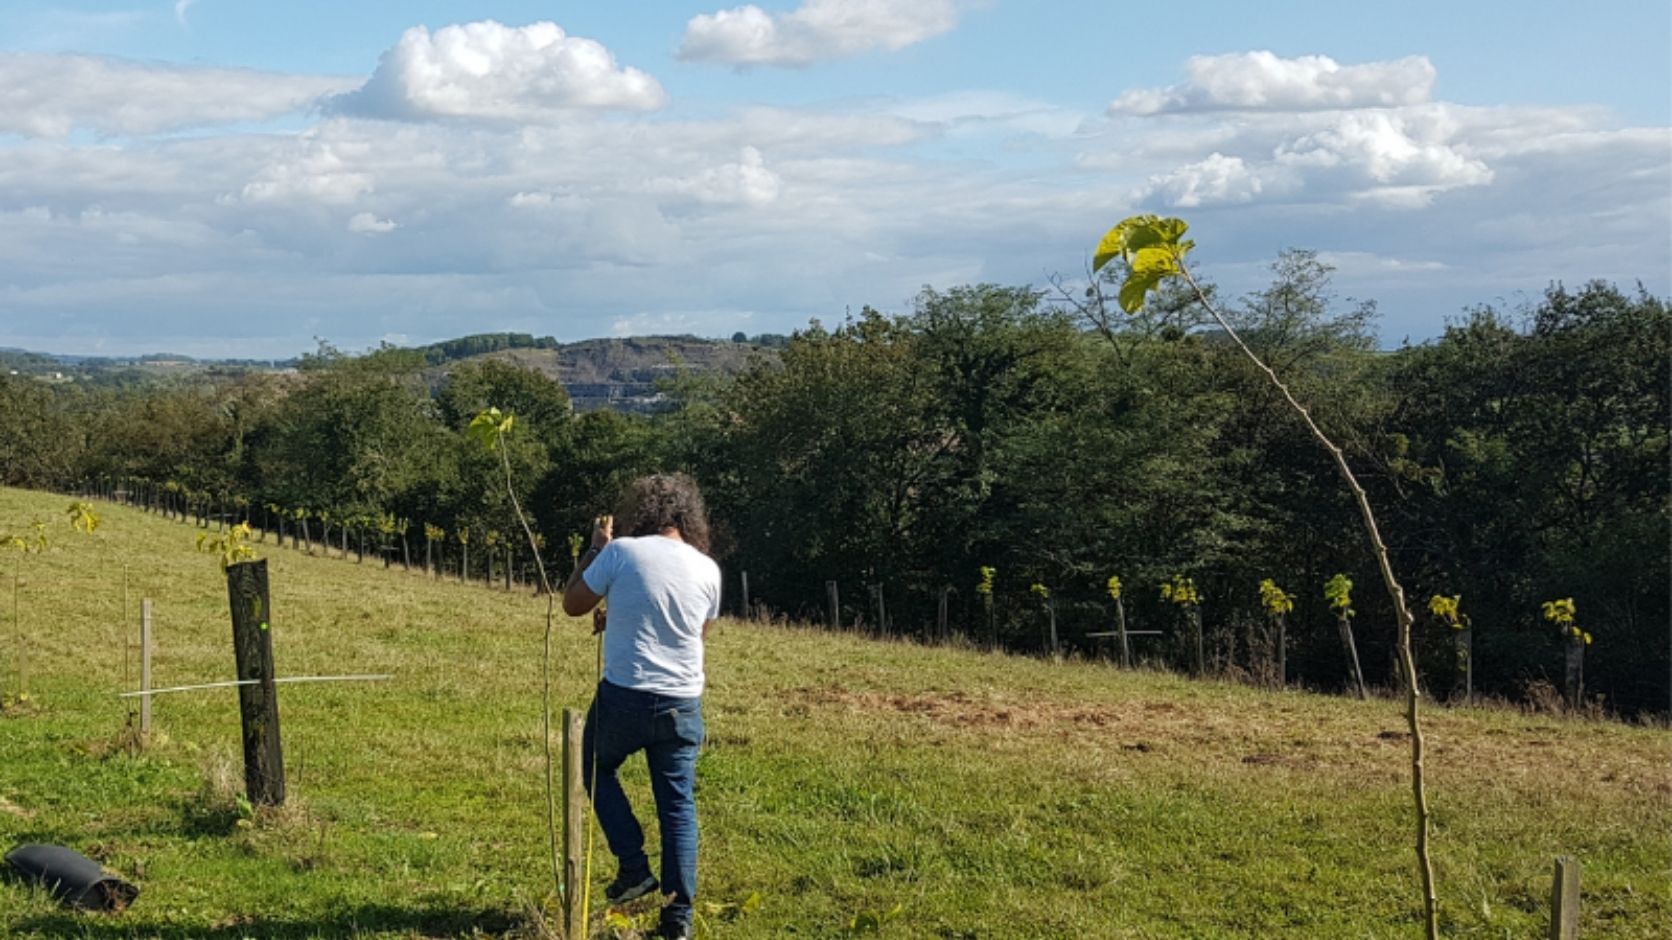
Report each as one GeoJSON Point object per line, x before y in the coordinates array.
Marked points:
{"type": "Point", "coordinates": [603, 529]}
{"type": "Point", "coordinates": [599, 618]}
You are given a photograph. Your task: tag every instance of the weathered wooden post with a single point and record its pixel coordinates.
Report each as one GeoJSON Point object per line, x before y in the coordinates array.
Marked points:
{"type": "Point", "coordinates": [1120, 628]}
{"type": "Point", "coordinates": [1573, 676]}
{"type": "Point", "coordinates": [831, 592]}
{"type": "Point", "coordinates": [940, 615]}
{"type": "Point", "coordinates": [1282, 651]}
{"type": "Point", "coordinates": [1466, 654]}
{"type": "Point", "coordinates": [258, 702]}
{"type": "Point", "coordinates": [1564, 899]}
{"type": "Point", "coordinates": [1356, 674]}
{"type": "Point", "coordinates": [747, 610]}
{"type": "Point", "coordinates": [144, 667]}
{"type": "Point", "coordinates": [1051, 611]}
{"type": "Point", "coordinates": [1200, 663]}
{"type": "Point", "coordinates": [574, 825]}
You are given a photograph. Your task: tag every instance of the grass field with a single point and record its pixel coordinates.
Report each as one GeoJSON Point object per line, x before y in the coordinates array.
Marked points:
{"type": "Point", "coordinates": [978, 795]}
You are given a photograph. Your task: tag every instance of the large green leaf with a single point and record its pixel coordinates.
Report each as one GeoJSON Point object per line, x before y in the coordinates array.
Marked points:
{"type": "Point", "coordinates": [1158, 260]}
{"type": "Point", "coordinates": [1136, 288]}
{"type": "Point", "coordinates": [1111, 247]}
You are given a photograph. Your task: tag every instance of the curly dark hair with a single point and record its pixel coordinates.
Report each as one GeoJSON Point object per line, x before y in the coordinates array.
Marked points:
{"type": "Point", "coordinates": [664, 501]}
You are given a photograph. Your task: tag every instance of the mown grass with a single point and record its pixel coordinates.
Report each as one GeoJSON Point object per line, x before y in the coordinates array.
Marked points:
{"type": "Point", "coordinates": [983, 796]}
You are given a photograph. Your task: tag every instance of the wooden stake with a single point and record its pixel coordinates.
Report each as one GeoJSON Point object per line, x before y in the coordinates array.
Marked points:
{"type": "Point", "coordinates": [574, 824]}
{"type": "Point", "coordinates": [1564, 899]}
{"type": "Point", "coordinates": [22, 637]}
{"type": "Point", "coordinates": [1573, 677]}
{"type": "Point", "coordinates": [258, 703]}
{"type": "Point", "coordinates": [145, 667]}
{"type": "Point", "coordinates": [746, 610]}
{"type": "Point", "coordinates": [1356, 675]}
{"type": "Point", "coordinates": [1120, 625]}
{"type": "Point", "coordinates": [1056, 648]}
{"type": "Point", "coordinates": [1196, 629]}
{"type": "Point", "coordinates": [835, 605]}
{"type": "Point", "coordinates": [1282, 651]}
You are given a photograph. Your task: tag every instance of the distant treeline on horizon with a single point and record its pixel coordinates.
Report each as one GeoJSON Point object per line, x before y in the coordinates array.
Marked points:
{"type": "Point", "coordinates": [1518, 458]}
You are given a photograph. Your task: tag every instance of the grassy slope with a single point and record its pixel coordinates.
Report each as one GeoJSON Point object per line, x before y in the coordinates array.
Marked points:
{"type": "Point", "coordinates": [989, 796]}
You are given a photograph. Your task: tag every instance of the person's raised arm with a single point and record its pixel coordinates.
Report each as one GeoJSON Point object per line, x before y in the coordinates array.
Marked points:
{"type": "Point", "coordinates": [578, 597]}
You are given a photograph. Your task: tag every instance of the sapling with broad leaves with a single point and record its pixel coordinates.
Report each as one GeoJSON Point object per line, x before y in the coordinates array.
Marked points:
{"type": "Point", "coordinates": [1181, 593]}
{"type": "Point", "coordinates": [1044, 594]}
{"type": "Point", "coordinates": [1278, 604]}
{"type": "Point", "coordinates": [984, 588]}
{"type": "Point", "coordinates": [1564, 615]}
{"type": "Point", "coordinates": [463, 536]}
{"type": "Point", "coordinates": [1449, 612]}
{"type": "Point", "coordinates": [1338, 590]}
{"type": "Point", "coordinates": [1113, 586]}
{"type": "Point", "coordinates": [491, 427]}
{"type": "Point", "coordinates": [1154, 250]}
{"type": "Point", "coordinates": [432, 535]}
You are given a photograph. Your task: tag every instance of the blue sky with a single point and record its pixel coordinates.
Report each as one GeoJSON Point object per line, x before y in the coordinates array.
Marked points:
{"type": "Point", "coordinates": [236, 178]}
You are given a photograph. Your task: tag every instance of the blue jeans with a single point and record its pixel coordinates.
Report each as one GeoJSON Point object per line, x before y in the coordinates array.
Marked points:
{"type": "Point", "coordinates": [670, 732]}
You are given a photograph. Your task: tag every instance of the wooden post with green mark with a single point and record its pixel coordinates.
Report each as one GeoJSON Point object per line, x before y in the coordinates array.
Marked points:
{"type": "Point", "coordinates": [258, 703]}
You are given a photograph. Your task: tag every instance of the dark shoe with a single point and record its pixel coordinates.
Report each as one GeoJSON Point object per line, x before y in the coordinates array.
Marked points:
{"type": "Point", "coordinates": [626, 887]}
{"type": "Point", "coordinates": [673, 931]}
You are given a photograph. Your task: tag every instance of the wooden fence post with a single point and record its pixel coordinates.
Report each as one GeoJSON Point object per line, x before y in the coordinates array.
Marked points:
{"type": "Point", "coordinates": [1564, 899]}
{"type": "Point", "coordinates": [1056, 648]}
{"type": "Point", "coordinates": [832, 593]}
{"type": "Point", "coordinates": [941, 614]}
{"type": "Point", "coordinates": [1200, 662]}
{"type": "Point", "coordinates": [258, 702]}
{"type": "Point", "coordinates": [144, 667]}
{"type": "Point", "coordinates": [747, 612]}
{"type": "Point", "coordinates": [1573, 676]}
{"type": "Point", "coordinates": [1282, 651]}
{"type": "Point", "coordinates": [1465, 652]}
{"type": "Point", "coordinates": [1356, 675]}
{"type": "Point", "coordinates": [574, 824]}
{"type": "Point", "coordinates": [1120, 626]}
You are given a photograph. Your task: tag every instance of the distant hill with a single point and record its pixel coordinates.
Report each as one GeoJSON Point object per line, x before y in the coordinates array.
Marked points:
{"type": "Point", "coordinates": [619, 373]}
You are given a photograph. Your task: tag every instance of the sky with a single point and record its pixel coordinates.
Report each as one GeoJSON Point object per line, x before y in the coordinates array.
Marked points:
{"type": "Point", "coordinates": [239, 178]}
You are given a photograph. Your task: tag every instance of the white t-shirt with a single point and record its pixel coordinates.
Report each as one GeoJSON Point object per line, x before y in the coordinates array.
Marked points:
{"type": "Point", "coordinates": [660, 591]}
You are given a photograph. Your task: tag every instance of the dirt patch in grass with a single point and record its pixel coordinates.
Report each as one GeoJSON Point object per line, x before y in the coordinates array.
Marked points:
{"type": "Point", "coordinates": [1295, 734]}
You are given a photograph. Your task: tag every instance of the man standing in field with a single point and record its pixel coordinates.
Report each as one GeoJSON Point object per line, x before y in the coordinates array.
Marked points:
{"type": "Point", "coordinates": [664, 593]}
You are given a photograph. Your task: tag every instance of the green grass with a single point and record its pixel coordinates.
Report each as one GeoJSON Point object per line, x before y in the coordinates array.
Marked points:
{"type": "Point", "coordinates": [986, 796]}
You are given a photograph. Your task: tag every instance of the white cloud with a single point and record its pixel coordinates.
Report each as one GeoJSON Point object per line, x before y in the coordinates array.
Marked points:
{"type": "Point", "coordinates": [180, 8]}
{"type": "Point", "coordinates": [816, 31]}
{"type": "Point", "coordinates": [367, 223]}
{"type": "Point", "coordinates": [1267, 82]}
{"type": "Point", "coordinates": [1392, 157]}
{"type": "Point", "coordinates": [52, 95]}
{"type": "Point", "coordinates": [1218, 180]}
{"type": "Point", "coordinates": [967, 112]}
{"type": "Point", "coordinates": [747, 182]}
{"type": "Point", "coordinates": [489, 71]}
{"type": "Point", "coordinates": [321, 169]}
{"type": "Point", "coordinates": [571, 226]}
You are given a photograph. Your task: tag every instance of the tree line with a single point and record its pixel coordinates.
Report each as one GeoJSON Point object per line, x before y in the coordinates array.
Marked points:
{"type": "Point", "coordinates": [1520, 457]}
